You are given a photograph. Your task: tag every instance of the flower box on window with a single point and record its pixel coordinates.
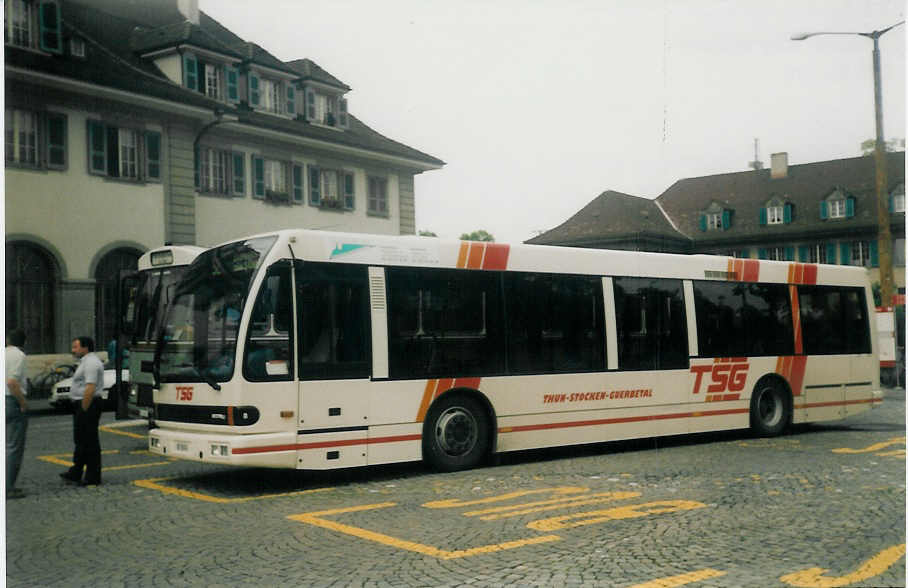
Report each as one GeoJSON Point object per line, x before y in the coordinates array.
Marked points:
{"type": "Point", "coordinates": [332, 203]}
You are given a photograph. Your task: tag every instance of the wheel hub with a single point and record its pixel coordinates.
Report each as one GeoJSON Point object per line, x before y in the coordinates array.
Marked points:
{"type": "Point", "coordinates": [456, 431]}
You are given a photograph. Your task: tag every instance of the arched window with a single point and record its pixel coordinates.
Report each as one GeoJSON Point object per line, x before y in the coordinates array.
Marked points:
{"type": "Point", "coordinates": [106, 275]}
{"type": "Point", "coordinates": [31, 284]}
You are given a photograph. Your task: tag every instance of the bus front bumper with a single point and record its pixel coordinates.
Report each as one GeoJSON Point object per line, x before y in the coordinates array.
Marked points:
{"type": "Point", "coordinates": [260, 450]}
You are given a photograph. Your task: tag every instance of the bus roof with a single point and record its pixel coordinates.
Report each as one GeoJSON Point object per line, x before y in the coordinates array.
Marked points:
{"type": "Point", "coordinates": [411, 250]}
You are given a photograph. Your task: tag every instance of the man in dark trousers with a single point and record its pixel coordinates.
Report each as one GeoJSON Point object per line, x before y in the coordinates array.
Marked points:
{"type": "Point", "coordinates": [85, 394]}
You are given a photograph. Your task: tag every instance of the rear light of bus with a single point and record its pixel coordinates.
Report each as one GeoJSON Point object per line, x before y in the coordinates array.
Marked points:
{"type": "Point", "coordinates": [219, 450]}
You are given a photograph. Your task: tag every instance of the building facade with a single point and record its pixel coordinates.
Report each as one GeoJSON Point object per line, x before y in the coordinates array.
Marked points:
{"type": "Point", "coordinates": [823, 212]}
{"type": "Point", "coordinates": [131, 123]}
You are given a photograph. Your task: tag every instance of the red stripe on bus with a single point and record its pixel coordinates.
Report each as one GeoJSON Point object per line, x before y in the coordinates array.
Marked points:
{"type": "Point", "coordinates": [496, 256]}
{"type": "Point", "coordinates": [839, 403]}
{"type": "Point", "coordinates": [474, 260]}
{"type": "Point", "coordinates": [751, 270]}
{"type": "Point", "coordinates": [472, 383]}
{"type": "Point", "coordinates": [796, 319]}
{"type": "Point", "coordinates": [325, 444]}
{"type": "Point", "coordinates": [810, 273]}
{"type": "Point", "coordinates": [887, 363]}
{"type": "Point", "coordinates": [462, 254]}
{"type": "Point", "coordinates": [621, 420]}
{"type": "Point", "coordinates": [798, 369]}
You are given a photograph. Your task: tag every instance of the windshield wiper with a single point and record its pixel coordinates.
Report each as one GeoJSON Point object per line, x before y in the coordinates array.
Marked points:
{"type": "Point", "coordinates": [209, 379]}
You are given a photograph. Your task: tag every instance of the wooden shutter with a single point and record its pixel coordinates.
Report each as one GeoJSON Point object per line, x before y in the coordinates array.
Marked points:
{"type": "Point", "coordinates": [804, 253]}
{"type": "Point", "coordinates": [830, 253]}
{"type": "Point", "coordinates": [849, 207]}
{"type": "Point", "coordinates": [726, 220]}
{"type": "Point", "coordinates": [824, 210]}
{"type": "Point", "coordinates": [789, 253]}
{"type": "Point", "coordinates": [310, 104]}
{"type": "Point", "coordinates": [190, 71]}
{"type": "Point", "coordinates": [56, 141]}
{"type": "Point", "coordinates": [50, 38]}
{"type": "Point", "coordinates": [297, 177]}
{"type": "Point", "coordinates": [342, 118]}
{"type": "Point", "coordinates": [349, 199]}
{"type": "Point", "coordinates": [153, 155]}
{"type": "Point", "coordinates": [845, 253]}
{"type": "Point", "coordinates": [253, 89]}
{"type": "Point", "coordinates": [258, 177]}
{"type": "Point", "coordinates": [233, 84]}
{"type": "Point", "coordinates": [763, 216]}
{"type": "Point", "coordinates": [702, 222]}
{"type": "Point", "coordinates": [314, 185]}
{"type": "Point", "coordinates": [239, 173]}
{"type": "Point", "coordinates": [761, 253]}
{"type": "Point", "coordinates": [874, 253]}
{"type": "Point", "coordinates": [291, 100]}
{"type": "Point", "coordinates": [787, 213]}
{"type": "Point", "coordinates": [97, 148]}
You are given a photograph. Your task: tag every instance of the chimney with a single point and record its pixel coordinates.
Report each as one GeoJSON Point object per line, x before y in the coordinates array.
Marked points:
{"type": "Point", "coordinates": [779, 165]}
{"type": "Point", "coordinates": [189, 9]}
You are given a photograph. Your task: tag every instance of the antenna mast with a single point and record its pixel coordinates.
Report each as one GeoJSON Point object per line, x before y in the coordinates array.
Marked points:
{"type": "Point", "coordinates": [756, 163]}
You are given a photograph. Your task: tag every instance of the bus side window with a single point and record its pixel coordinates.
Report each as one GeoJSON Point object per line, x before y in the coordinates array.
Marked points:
{"type": "Point", "coordinates": [268, 338]}
{"type": "Point", "coordinates": [834, 320]}
{"type": "Point", "coordinates": [652, 325]}
{"type": "Point", "coordinates": [335, 323]}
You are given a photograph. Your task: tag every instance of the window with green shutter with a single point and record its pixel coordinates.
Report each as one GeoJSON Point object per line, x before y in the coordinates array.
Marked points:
{"type": "Point", "coordinates": [97, 148]}
{"type": "Point", "coordinates": [824, 210]}
{"type": "Point", "coordinates": [239, 174]}
{"type": "Point", "coordinates": [830, 253]}
{"type": "Point", "coordinates": [50, 37]}
{"type": "Point", "coordinates": [787, 213]}
{"type": "Point", "coordinates": [763, 216]}
{"type": "Point", "coordinates": [849, 207]}
{"type": "Point", "coordinates": [342, 117]}
{"type": "Point", "coordinates": [258, 177]}
{"type": "Point", "coordinates": [845, 253]}
{"type": "Point", "coordinates": [153, 155]}
{"type": "Point", "coordinates": [291, 100]}
{"type": "Point", "coordinates": [233, 84]}
{"type": "Point", "coordinates": [190, 71]}
{"type": "Point", "coordinates": [349, 199]}
{"type": "Point", "coordinates": [310, 104]}
{"type": "Point", "coordinates": [298, 183]}
{"type": "Point", "coordinates": [56, 141]}
{"type": "Point", "coordinates": [315, 196]}
{"type": "Point", "coordinates": [254, 95]}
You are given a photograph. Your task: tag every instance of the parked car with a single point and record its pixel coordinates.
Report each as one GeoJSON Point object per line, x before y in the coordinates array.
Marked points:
{"type": "Point", "coordinates": [59, 395]}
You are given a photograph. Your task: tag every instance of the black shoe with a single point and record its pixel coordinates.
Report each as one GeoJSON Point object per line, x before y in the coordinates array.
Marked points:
{"type": "Point", "coordinates": [70, 477]}
{"type": "Point", "coordinates": [90, 483]}
{"type": "Point", "coordinates": [15, 493]}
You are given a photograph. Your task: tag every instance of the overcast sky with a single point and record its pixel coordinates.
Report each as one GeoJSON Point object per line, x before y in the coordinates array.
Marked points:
{"type": "Point", "coordinates": [538, 106]}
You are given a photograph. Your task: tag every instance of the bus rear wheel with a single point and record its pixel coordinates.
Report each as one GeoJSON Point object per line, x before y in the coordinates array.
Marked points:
{"type": "Point", "coordinates": [456, 433]}
{"type": "Point", "coordinates": [770, 409]}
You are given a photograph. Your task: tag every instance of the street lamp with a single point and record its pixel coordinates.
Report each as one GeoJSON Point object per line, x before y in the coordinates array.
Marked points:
{"type": "Point", "coordinates": [887, 283]}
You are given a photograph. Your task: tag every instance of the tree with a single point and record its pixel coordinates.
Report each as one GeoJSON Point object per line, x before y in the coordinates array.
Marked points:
{"type": "Point", "coordinates": [869, 145]}
{"type": "Point", "coordinates": [427, 234]}
{"type": "Point", "coordinates": [480, 235]}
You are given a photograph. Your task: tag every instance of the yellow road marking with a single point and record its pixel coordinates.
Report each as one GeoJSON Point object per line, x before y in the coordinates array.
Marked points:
{"type": "Point", "coordinates": [314, 518]}
{"type": "Point", "coordinates": [59, 460]}
{"type": "Point", "coordinates": [457, 503]}
{"type": "Point", "coordinates": [879, 563]}
{"type": "Point", "coordinates": [681, 579]}
{"type": "Point", "coordinates": [893, 453]}
{"type": "Point", "coordinates": [500, 512]}
{"type": "Point", "coordinates": [620, 512]}
{"type": "Point", "coordinates": [152, 484]}
{"type": "Point", "coordinates": [872, 448]}
{"type": "Point", "coordinates": [107, 429]}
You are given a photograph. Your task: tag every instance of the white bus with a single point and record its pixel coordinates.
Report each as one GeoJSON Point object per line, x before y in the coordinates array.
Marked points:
{"type": "Point", "coordinates": [314, 350]}
{"type": "Point", "coordinates": [144, 298]}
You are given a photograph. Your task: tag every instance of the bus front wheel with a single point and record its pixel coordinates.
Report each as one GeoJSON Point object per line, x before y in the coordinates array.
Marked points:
{"type": "Point", "coordinates": [770, 409]}
{"type": "Point", "coordinates": [456, 433]}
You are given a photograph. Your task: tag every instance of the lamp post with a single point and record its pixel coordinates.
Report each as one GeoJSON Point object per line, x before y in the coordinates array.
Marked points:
{"type": "Point", "coordinates": [887, 283]}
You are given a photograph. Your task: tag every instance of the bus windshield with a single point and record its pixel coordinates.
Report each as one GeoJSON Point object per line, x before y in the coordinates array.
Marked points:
{"type": "Point", "coordinates": [154, 293]}
{"type": "Point", "coordinates": [202, 324]}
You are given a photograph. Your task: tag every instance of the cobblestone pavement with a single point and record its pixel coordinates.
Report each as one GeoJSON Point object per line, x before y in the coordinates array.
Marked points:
{"type": "Point", "coordinates": [821, 506]}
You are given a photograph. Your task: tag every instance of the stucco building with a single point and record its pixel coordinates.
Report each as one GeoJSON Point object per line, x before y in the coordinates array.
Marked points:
{"type": "Point", "coordinates": [131, 123]}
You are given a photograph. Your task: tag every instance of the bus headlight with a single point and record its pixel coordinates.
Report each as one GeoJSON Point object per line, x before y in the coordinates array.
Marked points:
{"type": "Point", "coordinates": [219, 450]}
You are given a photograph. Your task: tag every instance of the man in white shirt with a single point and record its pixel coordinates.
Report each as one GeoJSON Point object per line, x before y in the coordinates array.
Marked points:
{"type": "Point", "coordinates": [85, 394]}
{"type": "Point", "coordinates": [16, 407]}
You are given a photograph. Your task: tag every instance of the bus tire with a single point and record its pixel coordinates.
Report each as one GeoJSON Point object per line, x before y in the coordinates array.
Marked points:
{"type": "Point", "coordinates": [770, 408]}
{"type": "Point", "coordinates": [455, 433]}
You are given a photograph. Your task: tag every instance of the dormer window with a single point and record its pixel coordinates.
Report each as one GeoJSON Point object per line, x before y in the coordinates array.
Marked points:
{"type": "Point", "coordinates": [33, 25]}
{"type": "Point", "coordinates": [325, 108]}
{"type": "Point", "coordinates": [271, 94]}
{"type": "Point", "coordinates": [214, 79]}
{"type": "Point", "coordinates": [837, 205]}
{"type": "Point", "coordinates": [776, 212]}
{"type": "Point", "coordinates": [715, 218]}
